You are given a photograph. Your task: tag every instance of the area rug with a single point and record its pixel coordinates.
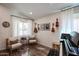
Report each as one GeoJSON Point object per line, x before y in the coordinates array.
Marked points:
{"type": "Point", "coordinates": [40, 48]}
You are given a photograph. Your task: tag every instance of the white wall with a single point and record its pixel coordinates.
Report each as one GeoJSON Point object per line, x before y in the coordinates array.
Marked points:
{"type": "Point", "coordinates": [4, 32]}
{"type": "Point", "coordinates": [47, 38]}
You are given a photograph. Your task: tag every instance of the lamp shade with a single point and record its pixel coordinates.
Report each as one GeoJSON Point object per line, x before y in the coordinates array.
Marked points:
{"type": "Point", "coordinates": [65, 36]}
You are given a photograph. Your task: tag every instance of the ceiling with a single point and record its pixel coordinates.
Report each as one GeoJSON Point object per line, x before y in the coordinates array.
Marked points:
{"type": "Point", "coordinates": [36, 10]}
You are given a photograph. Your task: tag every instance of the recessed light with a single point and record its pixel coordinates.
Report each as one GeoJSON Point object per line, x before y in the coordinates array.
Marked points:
{"type": "Point", "coordinates": [50, 4]}
{"type": "Point", "coordinates": [30, 13]}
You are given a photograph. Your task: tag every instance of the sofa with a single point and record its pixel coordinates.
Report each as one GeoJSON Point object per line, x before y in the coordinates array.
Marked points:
{"type": "Point", "coordinates": [70, 44]}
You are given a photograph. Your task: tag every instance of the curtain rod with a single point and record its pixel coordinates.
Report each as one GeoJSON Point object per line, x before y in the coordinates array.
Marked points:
{"type": "Point", "coordinates": [69, 8]}
{"type": "Point", "coordinates": [22, 17]}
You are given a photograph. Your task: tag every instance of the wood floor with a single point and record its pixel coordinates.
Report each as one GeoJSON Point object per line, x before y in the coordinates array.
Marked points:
{"type": "Point", "coordinates": [31, 50]}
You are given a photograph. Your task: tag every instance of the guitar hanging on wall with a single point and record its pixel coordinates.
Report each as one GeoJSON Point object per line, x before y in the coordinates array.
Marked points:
{"type": "Point", "coordinates": [35, 29]}
{"type": "Point", "coordinates": [57, 23]}
{"type": "Point", "coordinates": [53, 29]}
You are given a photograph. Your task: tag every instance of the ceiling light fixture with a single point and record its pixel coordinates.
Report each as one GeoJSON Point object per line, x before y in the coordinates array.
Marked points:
{"type": "Point", "coordinates": [30, 13]}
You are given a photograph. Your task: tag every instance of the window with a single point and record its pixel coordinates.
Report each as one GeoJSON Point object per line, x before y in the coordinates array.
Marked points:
{"type": "Point", "coordinates": [67, 21]}
{"type": "Point", "coordinates": [70, 21]}
{"type": "Point", "coordinates": [21, 27]}
{"type": "Point", "coordinates": [76, 22]}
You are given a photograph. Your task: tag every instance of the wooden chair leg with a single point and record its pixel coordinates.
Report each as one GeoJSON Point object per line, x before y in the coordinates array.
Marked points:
{"type": "Point", "coordinates": [10, 52]}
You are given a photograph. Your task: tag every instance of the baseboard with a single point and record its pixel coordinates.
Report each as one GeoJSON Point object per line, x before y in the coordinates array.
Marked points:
{"type": "Point", "coordinates": [3, 50]}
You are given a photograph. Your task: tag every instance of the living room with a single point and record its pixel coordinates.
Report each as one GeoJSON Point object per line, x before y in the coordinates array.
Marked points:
{"type": "Point", "coordinates": [37, 27]}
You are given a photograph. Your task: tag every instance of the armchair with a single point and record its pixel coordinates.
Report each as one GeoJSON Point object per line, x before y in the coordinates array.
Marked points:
{"type": "Point", "coordinates": [32, 40]}
{"type": "Point", "coordinates": [12, 43]}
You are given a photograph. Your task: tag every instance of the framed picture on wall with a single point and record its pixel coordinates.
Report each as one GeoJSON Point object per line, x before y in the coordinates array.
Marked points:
{"type": "Point", "coordinates": [45, 26]}
{"type": "Point", "coordinates": [5, 24]}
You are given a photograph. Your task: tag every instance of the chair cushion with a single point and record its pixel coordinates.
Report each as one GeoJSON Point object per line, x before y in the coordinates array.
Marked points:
{"type": "Point", "coordinates": [17, 45]}
{"type": "Point", "coordinates": [32, 41]}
